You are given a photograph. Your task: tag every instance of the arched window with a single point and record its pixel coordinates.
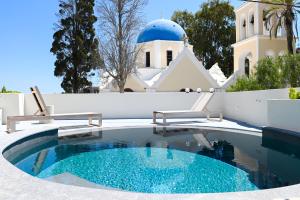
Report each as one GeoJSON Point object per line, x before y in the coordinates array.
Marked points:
{"type": "Point", "coordinates": [169, 57]}
{"type": "Point", "coordinates": [266, 27]}
{"type": "Point", "coordinates": [128, 90]}
{"type": "Point", "coordinates": [247, 67]}
{"type": "Point", "coordinates": [148, 59]}
{"type": "Point", "coordinates": [280, 32]}
{"type": "Point", "coordinates": [251, 24]}
{"type": "Point", "coordinates": [243, 29]}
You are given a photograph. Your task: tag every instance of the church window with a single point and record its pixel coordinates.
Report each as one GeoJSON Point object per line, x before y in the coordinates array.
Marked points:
{"type": "Point", "coordinates": [147, 59]}
{"type": "Point", "coordinates": [169, 57]}
{"type": "Point", "coordinates": [251, 25]}
{"type": "Point", "coordinates": [247, 67]}
{"type": "Point", "coordinates": [252, 19]}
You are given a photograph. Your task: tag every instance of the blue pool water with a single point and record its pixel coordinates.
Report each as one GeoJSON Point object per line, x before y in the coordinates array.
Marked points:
{"type": "Point", "coordinates": [153, 170]}
{"type": "Point", "coordinates": [162, 160]}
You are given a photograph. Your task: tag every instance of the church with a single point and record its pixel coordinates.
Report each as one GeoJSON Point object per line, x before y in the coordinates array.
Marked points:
{"type": "Point", "coordinates": [166, 63]}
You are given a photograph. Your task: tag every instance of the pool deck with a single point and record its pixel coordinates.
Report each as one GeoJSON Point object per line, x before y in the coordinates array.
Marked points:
{"type": "Point", "coordinates": [15, 184]}
{"type": "Point", "coordinates": [69, 126]}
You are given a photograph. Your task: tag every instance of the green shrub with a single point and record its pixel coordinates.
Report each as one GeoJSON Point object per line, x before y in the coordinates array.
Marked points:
{"type": "Point", "coordinates": [291, 70]}
{"type": "Point", "coordinates": [294, 94]}
{"type": "Point", "coordinates": [296, 72]}
{"type": "Point", "coordinates": [245, 83]}
{"type": "Point", "coordinates": [269, 73]}
{"type": "Point", "coordinates": [5, 91]}
{"type": "Point", "coordinates": [272, 73]}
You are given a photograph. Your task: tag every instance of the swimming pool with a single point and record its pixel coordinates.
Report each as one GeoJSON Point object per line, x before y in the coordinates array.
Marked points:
{"type": "Point", "coordinates": [162, 160]}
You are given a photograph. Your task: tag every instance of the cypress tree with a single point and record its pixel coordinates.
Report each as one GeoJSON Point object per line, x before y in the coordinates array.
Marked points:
{"type": "Point", "coordinates": [75, 44]}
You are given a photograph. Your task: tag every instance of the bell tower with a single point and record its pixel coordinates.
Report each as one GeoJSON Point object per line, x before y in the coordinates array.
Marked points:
{"type": "Point", "coordinates": [253, 40]}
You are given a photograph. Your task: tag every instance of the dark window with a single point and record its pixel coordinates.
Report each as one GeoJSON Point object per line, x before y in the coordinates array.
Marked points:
{"type": "Point", "coordinates": [252, 19]}
{"type": "Point", "coordinates": [128, 90]}
{"type": "Point", "coordinates": [147, 59]}
{"type": "Point", "coordinates": [169, 57]}
{"type": "Point", "coordinates": [247, 67]}
{"type": "Point", "coordinates": [244, 23]}
{"type": "Point", "coordinates": [264, 15]}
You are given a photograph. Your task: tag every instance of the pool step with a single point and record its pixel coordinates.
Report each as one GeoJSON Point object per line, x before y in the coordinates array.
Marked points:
{"type": "Point", "coordinates": [70, 179]}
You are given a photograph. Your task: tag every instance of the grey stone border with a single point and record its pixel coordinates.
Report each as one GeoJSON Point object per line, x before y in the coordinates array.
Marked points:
{"type": "Point", "coordinates": [16, 184]}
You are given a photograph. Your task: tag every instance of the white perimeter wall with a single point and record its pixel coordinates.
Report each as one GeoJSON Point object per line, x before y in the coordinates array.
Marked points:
{"type": "Point", "coordinates": [11, 104]}
{"type": "Point", "coordinates": [250, 107]}
{"type": "Point", "coordinates": [284, 114]}
{"type": "Point", "coordinates": [116, 105]}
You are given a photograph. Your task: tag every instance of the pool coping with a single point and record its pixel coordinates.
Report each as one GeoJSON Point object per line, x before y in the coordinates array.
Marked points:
{"type": "Point", "coordinates": [16, 184]}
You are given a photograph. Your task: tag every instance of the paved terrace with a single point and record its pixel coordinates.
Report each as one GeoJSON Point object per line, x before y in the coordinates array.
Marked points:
{"type": "Point", "coordinates": [71, 126]}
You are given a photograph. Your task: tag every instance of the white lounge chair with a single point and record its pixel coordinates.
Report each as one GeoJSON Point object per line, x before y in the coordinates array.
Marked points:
{"type": "Point", "coordinates": [200, 107]}
{"type": "Point", "coordinates": [43, 114]}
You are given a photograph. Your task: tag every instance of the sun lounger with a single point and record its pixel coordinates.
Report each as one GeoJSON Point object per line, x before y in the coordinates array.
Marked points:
{"type": "Point", "coordinates": [200, 107]}
{"type": "Point", "coordinates": [43, 114]}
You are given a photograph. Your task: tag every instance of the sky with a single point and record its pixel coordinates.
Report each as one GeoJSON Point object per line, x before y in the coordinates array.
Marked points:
{"type": "Point", "coordinates": [26, 30]}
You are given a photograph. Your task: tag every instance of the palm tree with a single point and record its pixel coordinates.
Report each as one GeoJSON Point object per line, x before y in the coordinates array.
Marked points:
{"type": "Point", "coordinates": [282, 14]}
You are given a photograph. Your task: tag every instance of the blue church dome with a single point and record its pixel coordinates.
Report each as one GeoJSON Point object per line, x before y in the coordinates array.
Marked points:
{"type": "Point", "coordinates": [161, 29]}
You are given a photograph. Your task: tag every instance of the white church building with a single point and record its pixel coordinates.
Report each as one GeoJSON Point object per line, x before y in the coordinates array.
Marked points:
{"type": "Point", "coordinates": [166, 63]}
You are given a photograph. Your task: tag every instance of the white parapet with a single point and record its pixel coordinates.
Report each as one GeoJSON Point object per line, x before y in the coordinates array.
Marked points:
{"type": "Point", "coordinates": [284, 114]}
{"type": "Point", "coordinates": [116, 105]}
{"type": "Point", "coordinates": [1, 116]}
{"type": "Point", "coordinates": [11, 105]}
{"type": "Point", "coordinates": [251, 106]}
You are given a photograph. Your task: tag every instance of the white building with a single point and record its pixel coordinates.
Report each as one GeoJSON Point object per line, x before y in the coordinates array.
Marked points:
{"type": "Point", "coordinates": [167, 63]}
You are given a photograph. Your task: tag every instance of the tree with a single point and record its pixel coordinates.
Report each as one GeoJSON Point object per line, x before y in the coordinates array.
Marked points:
{"type": "Point", "coordinates": [211, 31]}
{"type": "Point", "coordinates": [3, 90]}
{"type": "Point", "coordinates": [120, 22]}
{"type": "Point", "coordinates": [185, 19]}
{"type": "Point", "coordinates": [269, 73]}
{"type": "Point", "coordinates": [290, 67]}
{"type": "Point", "coordinates": [75, 45]}
{"type": "Point", "coordinates": [283, 14]}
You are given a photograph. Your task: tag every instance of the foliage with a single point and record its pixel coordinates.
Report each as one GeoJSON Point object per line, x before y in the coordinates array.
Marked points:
{"type": "Point", "coordinates": [211, 31]}
{"type": "Point", "coordinates": [120, 22]}
{"type": "Point", "coordinates": [291, 69]}
{"type": "Point", "coordinates": [75, 44]}
{"type": "Point", "coordinates": [269, 73]}
{"type": "Point", "coordinates": [245, 83]}
{"type": "Point", "coordinates": [283, 14]}
{"type": "Point", "coordinates": [186, 20]}
{"type": "Point", "coordinates": [272, 73]}
{"type": "Point", "coordinates": [293, 94]}
{"type": "Point", "coordinates": [5, 91]}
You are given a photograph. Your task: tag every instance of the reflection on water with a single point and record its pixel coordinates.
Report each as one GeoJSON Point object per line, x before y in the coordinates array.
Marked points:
{"type": "Point", "coordinates": [271, 161]}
